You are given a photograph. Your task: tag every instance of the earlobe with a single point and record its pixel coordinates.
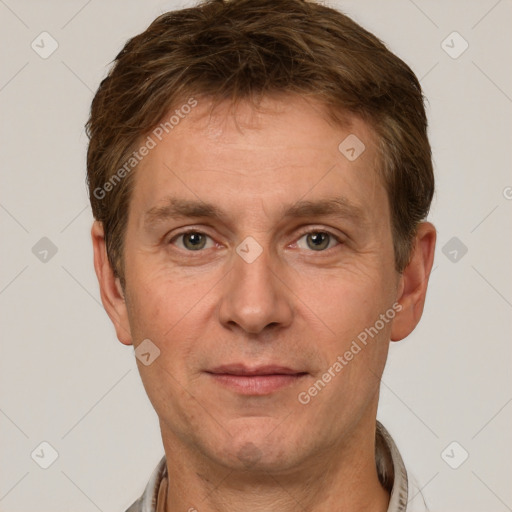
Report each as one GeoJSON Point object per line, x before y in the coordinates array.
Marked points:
{"type": "Point", "coordinates": [414, 281]}
{"type": "Point", "coordinates": [112, 294]}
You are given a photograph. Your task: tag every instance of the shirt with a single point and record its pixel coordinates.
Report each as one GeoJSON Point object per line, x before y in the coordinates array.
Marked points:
{"type": "Point", "coordinates": [404, 494]}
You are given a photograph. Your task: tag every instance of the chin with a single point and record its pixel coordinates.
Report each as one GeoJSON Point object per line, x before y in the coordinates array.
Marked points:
{"type": "Point", "coordinates": [258, 445]}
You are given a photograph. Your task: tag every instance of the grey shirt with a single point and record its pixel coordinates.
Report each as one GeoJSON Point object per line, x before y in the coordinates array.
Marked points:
{"type": "Point", "coordinates": [405, 497]}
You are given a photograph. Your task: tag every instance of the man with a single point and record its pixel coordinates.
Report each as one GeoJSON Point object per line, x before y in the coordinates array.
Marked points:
{"type": "Point", "coordinates": [260, 173]}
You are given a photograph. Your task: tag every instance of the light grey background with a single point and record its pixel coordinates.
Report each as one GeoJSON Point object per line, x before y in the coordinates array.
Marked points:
{"type": "Point", "coordinates": [66, 380]}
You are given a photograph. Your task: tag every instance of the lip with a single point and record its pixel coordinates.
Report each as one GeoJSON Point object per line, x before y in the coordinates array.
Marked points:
{"type": "Point", "coordinates": [241, 370]}
{"type": "Point", "coordinates": [256, 381]}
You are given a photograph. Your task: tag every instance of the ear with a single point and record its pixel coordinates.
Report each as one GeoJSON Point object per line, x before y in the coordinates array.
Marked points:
{"type": "Point", "coordinates": [412, 288]}
{"type": "Point", "coordinates": [111, 291]}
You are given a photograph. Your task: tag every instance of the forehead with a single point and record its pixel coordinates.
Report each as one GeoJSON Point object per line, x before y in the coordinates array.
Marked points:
{"type": "Point", "coordinates": [285, 151]}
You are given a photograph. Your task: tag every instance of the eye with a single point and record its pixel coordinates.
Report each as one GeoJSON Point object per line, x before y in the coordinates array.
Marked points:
{"type": "Point", "coordinates": [317, 241]}
{"type": "Point", "coordinates": [193, 241]}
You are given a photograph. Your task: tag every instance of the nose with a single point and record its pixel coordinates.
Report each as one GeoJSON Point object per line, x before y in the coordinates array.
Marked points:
{"type": "Point", "coordinates": [254, 297]}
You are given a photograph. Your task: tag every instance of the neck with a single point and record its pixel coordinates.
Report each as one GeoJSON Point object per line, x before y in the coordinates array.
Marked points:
{"type": "Point", "coordinates": [343, 477]}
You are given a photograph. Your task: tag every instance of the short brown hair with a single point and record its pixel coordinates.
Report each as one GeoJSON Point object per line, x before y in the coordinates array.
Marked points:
{"type": "Point", "coordinates": [248, 49]}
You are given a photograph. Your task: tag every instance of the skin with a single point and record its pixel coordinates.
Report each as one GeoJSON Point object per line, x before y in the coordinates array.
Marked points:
{"type": "Point", "coordinates": [293, 306]}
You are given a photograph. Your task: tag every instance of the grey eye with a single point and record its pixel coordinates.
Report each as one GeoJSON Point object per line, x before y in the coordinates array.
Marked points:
{"type": "Point", "coordinates": [193, 241]}
{"type": "Point", "coordinates": [317, 241]}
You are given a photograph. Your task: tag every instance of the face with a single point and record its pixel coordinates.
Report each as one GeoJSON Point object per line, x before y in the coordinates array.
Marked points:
{"type": "Point", "coordinates": [256, 254]}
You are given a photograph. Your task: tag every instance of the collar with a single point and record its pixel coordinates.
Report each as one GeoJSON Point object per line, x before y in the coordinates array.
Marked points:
{"type": "Point", "coordinates": [390, 467]}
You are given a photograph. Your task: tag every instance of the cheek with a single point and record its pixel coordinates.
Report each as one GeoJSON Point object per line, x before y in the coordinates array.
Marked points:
{"type": "Point", "coordinates": [355, 335]}
{"type": "Point", "coordinates": [346, 301]}
{"type": "Point", "coordinates": [172, 313]}
{"type": "Point", "coordinates": [159, 302]}
{"type": "Point", "coordinates": [146, 309]}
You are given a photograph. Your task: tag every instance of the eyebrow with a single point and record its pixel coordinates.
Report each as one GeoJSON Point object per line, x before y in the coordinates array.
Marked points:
{"type": "Point", "coordinates": [176, 208]}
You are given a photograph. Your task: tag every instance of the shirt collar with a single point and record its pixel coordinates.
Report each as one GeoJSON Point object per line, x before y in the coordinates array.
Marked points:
{"type": "Point", "coordinates": [393, 465]}
{"type": "Point", "coordinates": [390, 467]}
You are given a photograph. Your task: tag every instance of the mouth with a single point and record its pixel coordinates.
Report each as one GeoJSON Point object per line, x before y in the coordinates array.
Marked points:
{"type": "Point", "coordinates": [255, 381]}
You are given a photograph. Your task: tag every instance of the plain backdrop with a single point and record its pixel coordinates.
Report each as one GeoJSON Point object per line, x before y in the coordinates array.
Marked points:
{"type": "Point", "coordinates": [66, 380]}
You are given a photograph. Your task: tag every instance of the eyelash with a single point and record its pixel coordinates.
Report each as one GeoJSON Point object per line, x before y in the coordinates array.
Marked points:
{"type": "Point", "coordinates": [301, 234]}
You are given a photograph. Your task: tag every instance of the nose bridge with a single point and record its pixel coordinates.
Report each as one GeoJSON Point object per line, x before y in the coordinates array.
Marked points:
{"type": "Point", "coordinates": [253, 296]}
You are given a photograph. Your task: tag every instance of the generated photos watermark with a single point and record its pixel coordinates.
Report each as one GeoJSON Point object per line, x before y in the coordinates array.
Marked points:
{"type": "Point", "coordinates": [306, 396]}
{"type": "Point", "coordinates": [150, 143]}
